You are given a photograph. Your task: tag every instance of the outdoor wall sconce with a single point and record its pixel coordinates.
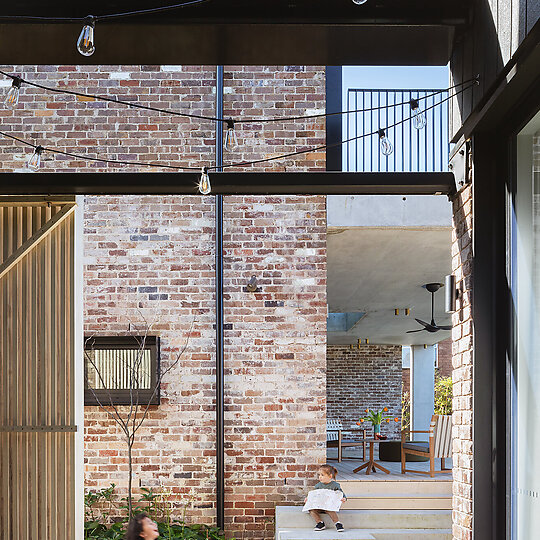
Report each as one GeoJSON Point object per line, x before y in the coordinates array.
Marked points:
{"type": "Point", "coordinates": [452, 293]}
{"type": "Point", "coordinates": [252, 285]}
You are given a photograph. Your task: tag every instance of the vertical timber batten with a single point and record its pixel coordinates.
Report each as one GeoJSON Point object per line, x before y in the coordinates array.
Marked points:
{"type": "Point", "coordinates": [37, 383]}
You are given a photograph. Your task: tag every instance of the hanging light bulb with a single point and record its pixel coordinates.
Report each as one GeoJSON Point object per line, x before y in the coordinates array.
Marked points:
{"type": "Point", "coordinates": [204, 182]}
{"type": "Point", "coordinates": [231, 142]}
{"type": "Point", "coordinates": [85, 43]}
{"type": "Point", "coordinates": [359, 2]}
{"type": "Point", "coordinates": [12, 97]}
{"type": "Point", "coordinates": [418, 117]}
{"type": "Point", "coordinates": [35, 160]}
{"type": "Point", "coordinates": [386, 145]}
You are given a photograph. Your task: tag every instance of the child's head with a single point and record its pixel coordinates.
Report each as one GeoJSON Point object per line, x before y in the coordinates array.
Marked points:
{"type": "Point", "coordinates": [327, 473]}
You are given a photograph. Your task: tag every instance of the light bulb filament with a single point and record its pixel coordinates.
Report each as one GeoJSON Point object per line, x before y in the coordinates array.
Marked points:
{"type": "Point", "coordinates": [418, 116]}
{"type": "Point", "coordinates": [204, 182]}
{"type": "Point", "coordinates": [85, 43]}
{"type": "Point", "coordinates": [12, 97]}
{"type": "Point", "coordinates": [34, 162]}
{"type": "Point", "coordinates": [386, 146]}
{"type": "Point", "coordinates": [231, 142]}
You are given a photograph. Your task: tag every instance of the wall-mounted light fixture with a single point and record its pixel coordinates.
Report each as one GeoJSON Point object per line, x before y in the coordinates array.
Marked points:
{"type": "Point", "coordinates": [252, 285]}
{"type": "Point", "coordinates": [452, 293]}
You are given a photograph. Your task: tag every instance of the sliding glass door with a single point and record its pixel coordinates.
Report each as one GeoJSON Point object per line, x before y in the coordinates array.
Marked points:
{"type": "Point", "coordinates": [525, 381]}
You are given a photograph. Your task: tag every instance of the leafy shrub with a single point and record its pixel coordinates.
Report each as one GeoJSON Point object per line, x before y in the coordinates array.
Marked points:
{"type": "Point", "coordinates": [443, 395]}
{"type": "Point", "coordinates": [103, 506]}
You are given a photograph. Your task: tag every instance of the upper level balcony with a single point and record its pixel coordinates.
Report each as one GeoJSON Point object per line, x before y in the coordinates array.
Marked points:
{"type": "Point", "coordinates": [415, 150]}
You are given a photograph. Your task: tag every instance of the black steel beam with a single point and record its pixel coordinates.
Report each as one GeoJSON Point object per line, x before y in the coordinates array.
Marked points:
{"type": "Point", "coordinates": [228, 44]}
{"type": "Point", "coordinates": [229, 183]}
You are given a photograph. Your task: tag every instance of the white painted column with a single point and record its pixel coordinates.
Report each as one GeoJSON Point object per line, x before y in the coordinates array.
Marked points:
{"type": "Point", "coordinates": [422, 388]}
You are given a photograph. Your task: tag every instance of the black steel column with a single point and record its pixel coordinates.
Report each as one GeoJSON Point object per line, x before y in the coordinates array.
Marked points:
{"type": "Point", "coordinates": [334, 123]}
{"type": "Point", "coordinates": [220, 405]}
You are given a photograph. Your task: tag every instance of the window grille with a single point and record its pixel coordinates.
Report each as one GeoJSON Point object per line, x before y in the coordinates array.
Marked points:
{"type": "Point", "coordinates": [122, 370]}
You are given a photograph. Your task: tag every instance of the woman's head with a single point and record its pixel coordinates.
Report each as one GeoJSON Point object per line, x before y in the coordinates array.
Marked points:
{"type": "Point", "coordinates": [327, 473]}
{"type": "Point", "coordinates": [141, 526]}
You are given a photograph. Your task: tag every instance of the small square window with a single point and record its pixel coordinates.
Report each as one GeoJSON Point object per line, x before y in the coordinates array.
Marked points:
{"type": "Point", "coordinates": [122, 370]}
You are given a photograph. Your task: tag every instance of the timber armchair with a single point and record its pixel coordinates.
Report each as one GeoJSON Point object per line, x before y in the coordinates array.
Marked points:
{"type": "Point", "coordinates": [439, 445]}
{"type": "Point", "coordinates": [334, 438]}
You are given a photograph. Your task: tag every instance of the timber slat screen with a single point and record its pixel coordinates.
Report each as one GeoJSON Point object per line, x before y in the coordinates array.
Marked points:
{"type": "Point", "coordinates": [415, 150]}
{"type": "Point", "coordinates": [37, 431]}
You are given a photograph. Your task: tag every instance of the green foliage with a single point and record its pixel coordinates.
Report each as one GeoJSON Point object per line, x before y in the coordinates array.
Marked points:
{"type": "Point", "coordinates": [443, 395]}
{"type": "Point", "coordinates": [405, 411]}
{"type": "Point", "coordinates": [102, 505]}
{"type": "Point", "coordinates": [376, 417]}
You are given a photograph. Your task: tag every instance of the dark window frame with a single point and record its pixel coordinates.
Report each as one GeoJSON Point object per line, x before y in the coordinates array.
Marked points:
{"type": "Point", "coordinates": [125, 397]}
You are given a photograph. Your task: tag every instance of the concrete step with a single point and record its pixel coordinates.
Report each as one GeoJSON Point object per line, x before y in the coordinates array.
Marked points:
{"type": "Point", "coordinates": [396, 487]}
{"type": "Point", "coordinates": [293, 517]}
{"type": "Point", "coordinates": [402, 501]}
{"type": "Point", "coordinates": [365, 534]}
{"type": "Point", "coordinates": [327, 534]}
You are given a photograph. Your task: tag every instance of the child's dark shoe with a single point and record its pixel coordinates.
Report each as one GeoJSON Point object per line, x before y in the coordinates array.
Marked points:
{"type": "Point", "coordinates": [339, 527]}
{"type": "Point", "coordinates": [320, 526]}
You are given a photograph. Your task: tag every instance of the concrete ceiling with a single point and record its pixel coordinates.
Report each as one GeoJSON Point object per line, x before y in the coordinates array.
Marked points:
{"type": "Point", "coordinates": [376, 270]}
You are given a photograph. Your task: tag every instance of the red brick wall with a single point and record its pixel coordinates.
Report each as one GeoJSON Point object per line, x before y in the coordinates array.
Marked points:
{"type": "Point", "coordinates": [462, 356]}
{"type": "Point", "coordinates": [444, 358]}
{"type": "Point", "coordinates": [154, 257]}
{"type": "Point", "coordinates": [369, 377]}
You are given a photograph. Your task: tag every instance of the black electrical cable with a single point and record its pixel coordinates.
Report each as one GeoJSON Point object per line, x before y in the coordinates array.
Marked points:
{"type": "Point", "coordinates": [101, 160]}
{"type": "Point", "coordinates": [102, 17]}
{"type": "Point", "coordinates": [109, 100]}
{"type": "Point", "coordinates": [228, 121]}
{"type": "Point", "coordinates": [332, 145]}
{"type": "Point", "coordinates": [237, 164]}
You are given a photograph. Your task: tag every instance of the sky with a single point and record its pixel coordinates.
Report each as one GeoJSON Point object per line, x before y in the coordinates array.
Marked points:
{"type": "Point", "coordinates": [390, 77]}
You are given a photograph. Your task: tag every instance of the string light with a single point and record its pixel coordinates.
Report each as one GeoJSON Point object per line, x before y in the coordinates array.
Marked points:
{"type": "Point", "coordinates": [34, 163]}
{"type": "Point", "coordinates": [204, 182]}
{"type": "Point", "coordinates": [85, 43]}
{"type": "Point", "coordinates": [418, 117]}
{"type": "Point", "coordinates": [231, 142]}
{"type": "Point", "coordinates": [12, 97]}
{"type": "Point", "coordinates": [132, 104]}
{"type": "Point", "coordinates": [386, 146]}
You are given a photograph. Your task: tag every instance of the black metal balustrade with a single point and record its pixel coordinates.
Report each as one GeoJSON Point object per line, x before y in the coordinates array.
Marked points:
{"type": "Point", "coordinates": [415, 150]}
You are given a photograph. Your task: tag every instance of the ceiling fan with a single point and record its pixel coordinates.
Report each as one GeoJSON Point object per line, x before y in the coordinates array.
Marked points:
{"type": "Point", "coordinates": [432, 326]}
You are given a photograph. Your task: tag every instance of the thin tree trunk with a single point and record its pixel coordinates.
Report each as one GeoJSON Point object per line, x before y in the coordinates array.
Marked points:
{"type": "Point", "coordinates": [130, 479]}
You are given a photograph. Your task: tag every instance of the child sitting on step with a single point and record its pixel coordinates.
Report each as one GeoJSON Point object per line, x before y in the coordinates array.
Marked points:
{"type": "Point", "coordinates": [327, 475]}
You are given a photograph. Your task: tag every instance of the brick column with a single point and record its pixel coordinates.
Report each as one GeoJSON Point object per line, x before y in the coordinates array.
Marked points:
{"type": "Point", "coordinates": [462, 356]}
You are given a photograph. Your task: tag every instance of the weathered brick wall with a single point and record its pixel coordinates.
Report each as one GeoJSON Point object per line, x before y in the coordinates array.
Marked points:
{"type": "Point", "coordinates": [154, 257]}
{"type": "Point", "coordinates": [275, 351]}
{"type": "Point", "coordinates": [462, 355]}
{"type": "Point", "coordinates": [369, 377]}
{"type": "Point", "coordinates": [444, 358]}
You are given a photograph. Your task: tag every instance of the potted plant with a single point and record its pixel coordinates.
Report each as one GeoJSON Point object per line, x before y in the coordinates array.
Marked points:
{"type": "Point", "coordinates": [377, 418]}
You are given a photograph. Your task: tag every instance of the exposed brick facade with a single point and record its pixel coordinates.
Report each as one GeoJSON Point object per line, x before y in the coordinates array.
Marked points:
{"type": "Point", "coordinates": [154, 256]}
{"type": "Point", "coordinates": [365, 377]}
{"type": "Point", "coordinates": [462, 357]}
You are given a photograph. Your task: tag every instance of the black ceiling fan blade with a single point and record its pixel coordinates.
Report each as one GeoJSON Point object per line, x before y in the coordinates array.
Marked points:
{"type": "Point", "coordinates": [423, 323]}
{"type": "Point", "coordinates": [444, 327]}
{"type": "Point", "coordinates": [413, 331]}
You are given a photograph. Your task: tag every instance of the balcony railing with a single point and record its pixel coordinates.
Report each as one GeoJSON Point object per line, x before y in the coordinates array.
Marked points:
{"type": "Point", "coordinates": [424, 150]}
